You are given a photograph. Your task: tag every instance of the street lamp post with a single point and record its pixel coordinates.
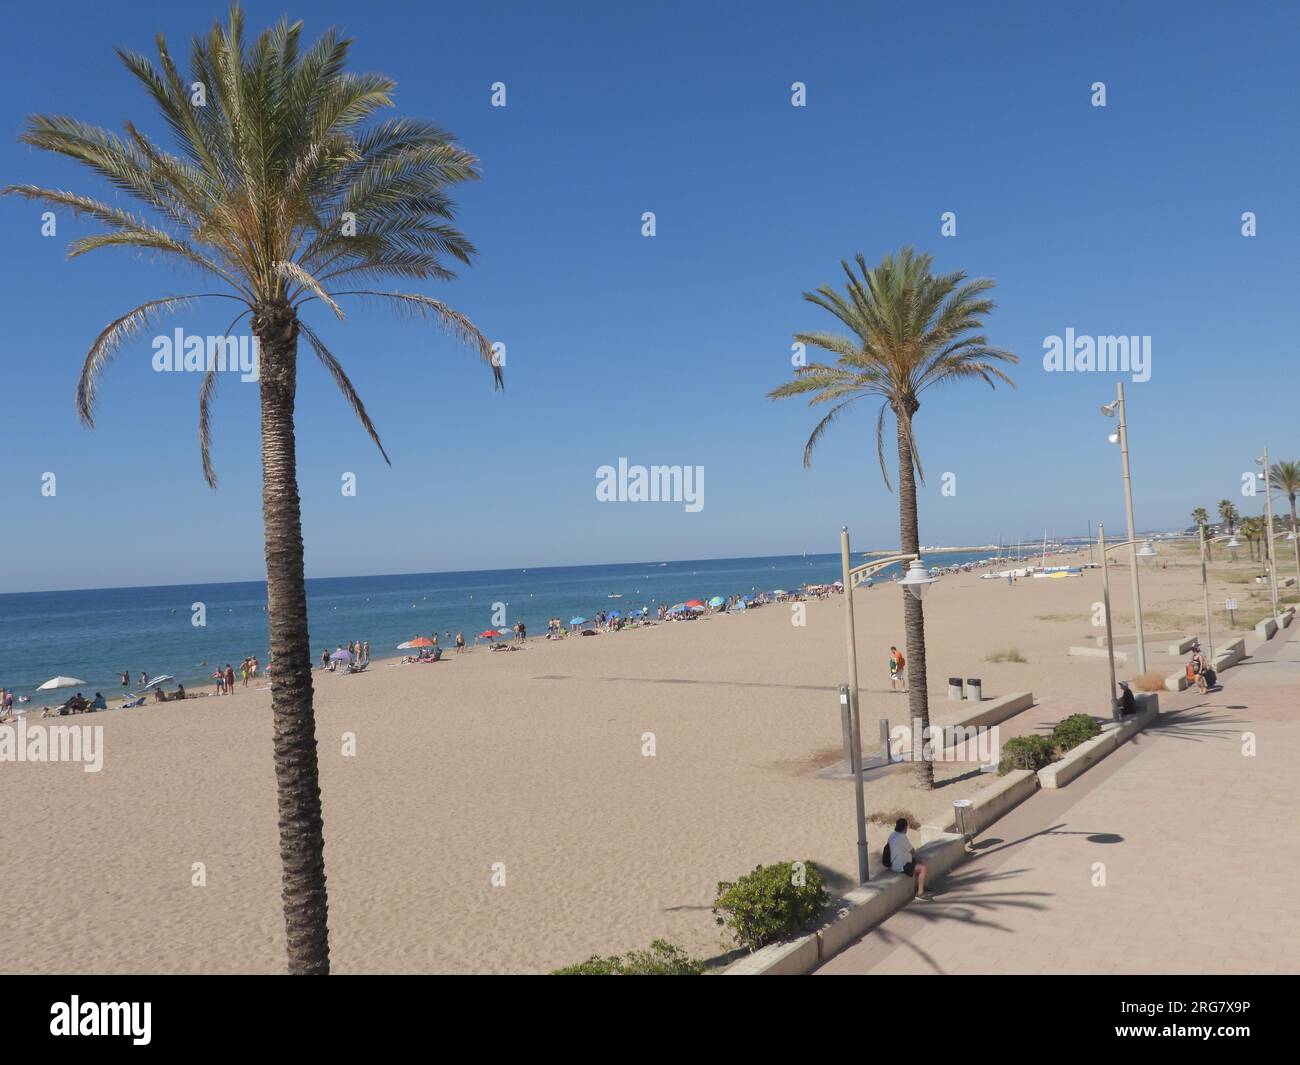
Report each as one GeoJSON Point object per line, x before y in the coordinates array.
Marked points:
{"type": "Point", "coordinates": [1205, 585]}
{"type": "Point", "coordinates": [1105, 602]}
{"type": "Point", "coordinates": [1121, 438]}
{"type": "Point", "coordinates": [1268, 510]}
{"type": "Point", "coordinates": [1147, 551]}
{"type": "Point", "coordinates": [916, 581]}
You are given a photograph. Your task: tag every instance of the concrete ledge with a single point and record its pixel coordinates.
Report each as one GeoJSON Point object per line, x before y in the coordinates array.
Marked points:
{"type": "Point", "coordinates": [989, 712]}
{"type": "Point", "coordinates": [1176, 682]}
{"type": "Point", "coordinates": [1230, 656]}
{"type": "Point", "coordinates": [990, 804]}
{"type": "Point", "coordinates": [1183, 646]}
{"type": "Point", "coordinates": [1287, 616]}
{"type": "Point", "coordinates": [1097, 652]}
{"type": "Point", "coordinates": [1083, 757]}
{"type": "Point", "coordinates": [1131, 637]}
{"type": "Point", "coordinates": [858, 911]}
{"type": "Point", "coordinates": [1266, 629]}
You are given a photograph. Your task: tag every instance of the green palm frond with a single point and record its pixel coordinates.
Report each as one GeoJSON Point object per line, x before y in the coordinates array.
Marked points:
{"type": "Point", "coordinates": [909, 330]}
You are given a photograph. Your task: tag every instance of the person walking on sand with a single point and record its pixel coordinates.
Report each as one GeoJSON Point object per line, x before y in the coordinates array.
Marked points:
{"type": "Point", "coordinates": [220, 678]}
{"type": "Point", "coordinates": [896, 664]}
{"type": "Point", "coordinates": [460, 642]}
{"type": "Point", "coordinates": [230, 680]}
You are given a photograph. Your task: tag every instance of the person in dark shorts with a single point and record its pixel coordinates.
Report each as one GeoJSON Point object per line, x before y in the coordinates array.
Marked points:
{"type": "Point", "coordinates": [902, 860]}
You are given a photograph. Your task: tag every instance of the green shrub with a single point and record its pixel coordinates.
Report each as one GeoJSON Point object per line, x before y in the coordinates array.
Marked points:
{"type": "Point", "coordinates": [1074, 730]}
{"type": "Point", "coordinates": [1025, 752]}
{"type": "Point", "coordinates": [772, 902]}
{"type": "Point", "coordinates": [662, 959]}
{"type": "Point", "coordinates": [1011, 654]}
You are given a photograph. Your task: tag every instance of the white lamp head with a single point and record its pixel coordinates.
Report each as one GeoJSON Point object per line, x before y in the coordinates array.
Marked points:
{"type": "Point", "coordinates": [1114, 437]}
{"type": "Point", "coordinates": [917, 580]}
{"type": "Point", "coordinates": [1110, 408]}
{"type": "Point", "coordinates": [1147, 550]}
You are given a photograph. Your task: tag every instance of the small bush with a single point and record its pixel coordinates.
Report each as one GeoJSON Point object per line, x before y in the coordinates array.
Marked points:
{"type": "Point", "coordinates": [662, 959]}
{"type": "Point", "coordinates": [891, 818]}
{"type": "Point", "coordinates": [1074, 730]}
{"type": "Point", "coordinates": [770, 903]}
{"type": "Point", "coordinates": [1025, 752]}
{"type": "Point", "coordinates": [1011, 654]}
{"type": "Point", "coordinates": [1151, 681]}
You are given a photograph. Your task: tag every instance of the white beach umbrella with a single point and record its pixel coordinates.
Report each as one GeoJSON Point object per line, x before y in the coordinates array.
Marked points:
{"type": "Point", "coordinates": [60, 682]}
{"type": "Point", "coordinates": [160, 680]}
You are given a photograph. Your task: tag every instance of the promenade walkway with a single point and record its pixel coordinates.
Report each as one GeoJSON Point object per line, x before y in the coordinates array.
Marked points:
{"type": "Point", "coordinates": [1177, 854]}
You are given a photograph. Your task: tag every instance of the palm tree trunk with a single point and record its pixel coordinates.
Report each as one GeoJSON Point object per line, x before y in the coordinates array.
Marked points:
{"type": "Point", "coordinates": [302, 839]}
{"type": "Point", "coordinates": [918, 699]}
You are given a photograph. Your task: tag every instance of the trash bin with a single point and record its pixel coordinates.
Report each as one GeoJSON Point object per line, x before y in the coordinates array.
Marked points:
{"type": "Point", "coordinates": [954, 688]}
{"type": "Point", "coordinates": [963, 810]}
{"type": "Point", "coordinates": [973, 689]}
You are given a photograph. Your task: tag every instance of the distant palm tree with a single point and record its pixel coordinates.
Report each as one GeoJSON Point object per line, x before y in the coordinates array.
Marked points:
{"type": "Point", "coordinates": [1202, 518]}
{"type": "Point", "coordinates": [911, 330]}
{"type": "Point", "coordinates": [1284, 477]}
{"type": "Point", "coordinates": [1252, 528]}
{"type": "Point", "coordinates": [281, 192]}
{"type": "Point", "coordinates": [1228, 512]}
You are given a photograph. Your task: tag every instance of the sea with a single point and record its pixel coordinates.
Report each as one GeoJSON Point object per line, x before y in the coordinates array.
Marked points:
{"type": "Point", "coordinates": [93, 635]}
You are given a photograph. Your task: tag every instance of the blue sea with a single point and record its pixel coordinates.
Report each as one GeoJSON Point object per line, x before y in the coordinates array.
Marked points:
{"type": "Point", "coordinates": [94, 635]}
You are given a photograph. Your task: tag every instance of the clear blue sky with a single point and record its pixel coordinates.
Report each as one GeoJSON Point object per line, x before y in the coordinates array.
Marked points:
{"type": "Point", "coordinates": [1121, 220]}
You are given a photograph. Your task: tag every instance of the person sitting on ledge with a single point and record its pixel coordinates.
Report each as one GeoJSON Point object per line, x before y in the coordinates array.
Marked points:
{"type": "Point", "coordinates": [898, 853]}
{"type": "Point", "coordinates": [1127, 701]}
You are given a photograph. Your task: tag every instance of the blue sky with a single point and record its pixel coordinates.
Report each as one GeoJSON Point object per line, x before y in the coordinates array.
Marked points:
{"type": "Point", "coordinates": [1115, 220]}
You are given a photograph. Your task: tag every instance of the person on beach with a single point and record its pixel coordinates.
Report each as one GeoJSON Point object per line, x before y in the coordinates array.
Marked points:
{"type": "Point", "coordinates": [902, 860]}
{"type": "Point", "coordinates": [325, 659]}
{"type": "Point", "coordinates": [144, 679]}
{"type": "Point", "coordinates": [460, 642]}
{"type": "Point", "coordinates": [220, 678]}
{"type": "Point", "coordinates": [896, 664]}
{"type": "Point", "coordinates": [99, 702]}
{"type": "Point", "coordinates": [1196, 669]}
{"type": "Point", "coordinates": [126, 679]}
{"type": "Point", "coordinates": [230, 680]}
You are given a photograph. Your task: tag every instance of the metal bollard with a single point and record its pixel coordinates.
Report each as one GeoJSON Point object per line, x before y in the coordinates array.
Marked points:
{"type": "Point", "coordinates": [974, 689]}
{"type": "Point", "coordinates": [963, 811]}
{"type": "Point", "coordinates": [884, 740]}
{"type": "Point", "coordinates": [954, 688]}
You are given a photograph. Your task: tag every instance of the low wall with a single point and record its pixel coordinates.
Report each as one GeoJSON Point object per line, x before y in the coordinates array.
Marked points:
{"type": "Point", "coordinates": [990, 803]}
{"type": "Point", "coordinates": [1131, 637]}
{"type": "Point", "coordinates": [1182, 646]}
{"type": "Point", "coordinates": [989, 712]}
{"type": "Point", "coordinates": [1097, 652]}
{"type": "Point", "coordinates": [1113, 733]}
{"type": "Point", "coordinates": [858, 911]}
{"type": "Point", "coordinates": [1230, 656]}
{"type": "Point", "coordinates": [1266, 629]}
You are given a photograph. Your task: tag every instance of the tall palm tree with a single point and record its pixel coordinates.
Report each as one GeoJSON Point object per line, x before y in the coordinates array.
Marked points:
{"type": "Point", "coordinates": [286, 190]}
{"type": "Point", "coordinates": [1284, 477]}
{"type": "Point", "coordinates": [911, 330]}
{"type": "Point", "coordinates": [1202, 518]}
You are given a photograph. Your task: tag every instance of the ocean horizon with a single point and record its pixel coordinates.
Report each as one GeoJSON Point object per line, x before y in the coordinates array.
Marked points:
{"type": "Point", "coordinates": [95, 634]}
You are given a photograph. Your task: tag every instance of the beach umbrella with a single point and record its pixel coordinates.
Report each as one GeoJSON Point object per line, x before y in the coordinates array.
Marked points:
{"type": "Point", "coordinates": [341, 655]}
{"type": "Point", "coordinates": [717, 600]}
{"type": "Point", "coordinates": [677, 606]}
{"type": "Point", "coordinates": [60, 682]}
{"type": "Point", "coordinates": [614, 614]}
{"type": "Point", "coordinates": [488, 634]}
{"type": "Point", "coordinates": [419, 641]}
{"type": "Point", "coordinates": [694, 602]}
{"type": "Point", "coordinates": [159, 680]}
{"type": "Point", "coordinates": [778, 591]}
{"type": "Point", "coordinates": [698, 608]}
{"type": "Point", "coordinates": [577, 621]}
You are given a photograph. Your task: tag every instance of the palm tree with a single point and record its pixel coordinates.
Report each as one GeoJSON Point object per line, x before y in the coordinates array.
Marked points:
{"type": "Point", "coordinates": [1228, 512]}
{"type": "Point", "coordinates": [1251, 528]}
{"type": "Point", "coordinates": [1202, 518]}
{"type": "Point", "coordinates": [1284, 477]}
{"type": "Point", "coordinates": [284, 193]}
{"type": "Point", "coordinates": [910, 331]}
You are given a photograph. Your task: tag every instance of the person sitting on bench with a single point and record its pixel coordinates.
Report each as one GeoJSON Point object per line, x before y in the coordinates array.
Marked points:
{"type": "Point", "coordinates": [898, 853]}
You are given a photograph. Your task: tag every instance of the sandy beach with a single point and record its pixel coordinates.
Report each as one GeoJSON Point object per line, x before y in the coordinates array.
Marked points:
{"type": "Point", "coordinates": [533, 759]}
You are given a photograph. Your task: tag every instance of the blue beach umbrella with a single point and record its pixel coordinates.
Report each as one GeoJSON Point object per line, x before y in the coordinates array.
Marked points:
{"type": "Point", "coordinates": [577, 621]}
{"type": "Point", "coordinates": [717, 600]}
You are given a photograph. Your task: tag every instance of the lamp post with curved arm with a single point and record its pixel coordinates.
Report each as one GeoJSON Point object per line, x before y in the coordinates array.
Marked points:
{"type": "Point", "coordinates": [1205, 584]}
{"type": "Point", "coordinates": [916, 581]}
{"type": "Point", "coordinates": [1147, 551]}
